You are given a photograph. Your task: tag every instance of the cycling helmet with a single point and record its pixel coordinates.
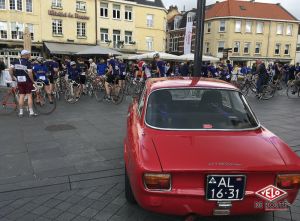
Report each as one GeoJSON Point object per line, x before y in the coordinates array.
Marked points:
{"type": "Point", "coordinates": [72, 63]}
{"type": "Point", "coordinates": [40, 59]}
{"type": "Point", "coordinates": [156, 55]}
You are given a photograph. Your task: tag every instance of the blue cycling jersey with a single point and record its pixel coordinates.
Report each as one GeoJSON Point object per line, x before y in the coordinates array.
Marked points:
{"type": "Point", "coordinates": [74, 73]}
{"type": "Point", "coordinates": [101, 69]}
{"type": "Point", "coordinates": [40, 72]}
{"type": "Point", "coordinates": [21, 67]}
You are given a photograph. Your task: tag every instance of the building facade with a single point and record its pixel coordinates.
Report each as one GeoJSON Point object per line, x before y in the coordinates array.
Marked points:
{"type": "Point", "coordinates": [65, 21]}
{"type": "Point", "coordinates": [298, 47]}
{"type": "Point", "coordinates": [130, 26]}
{"type": "Point", "coordinates": [249, 30]}
{"type": "Point", "coordinates": [15, 16]}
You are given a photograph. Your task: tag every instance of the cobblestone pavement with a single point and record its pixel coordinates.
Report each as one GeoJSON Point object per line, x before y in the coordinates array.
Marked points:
{"type": "Point", "coordinates": [68, 166]}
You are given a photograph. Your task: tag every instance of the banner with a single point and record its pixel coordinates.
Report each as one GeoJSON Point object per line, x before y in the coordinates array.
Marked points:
{"type": "Point", "coordinates": [188, 37]}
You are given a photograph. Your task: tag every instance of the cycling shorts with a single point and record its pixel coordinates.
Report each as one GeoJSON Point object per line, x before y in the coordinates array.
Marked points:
{"type": "Point", "coordinates": [82, 79]}
{"type": "Point", "coordinates": [25, 87]}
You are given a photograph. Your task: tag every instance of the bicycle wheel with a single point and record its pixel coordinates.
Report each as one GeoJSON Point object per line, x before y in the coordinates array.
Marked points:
{"type": "Point", "coordinates": [8, 104]}
{"type": "Point", "coordinates": [268, 92]}
{"type": "Point", "coordinates": [99, 93]}
{"type": "Point", "coordinates": [70, 96]}
{"type": "Point", "coordinates": [245, 89]}
{"type": "Point", "coordinates": [292, 91]}
{"type": "Point", "coordinates": [117, 95]}
{"type": "Point", "coordinates": [42, 103]}
{"type": "Point", "coordinates": [130, 88]}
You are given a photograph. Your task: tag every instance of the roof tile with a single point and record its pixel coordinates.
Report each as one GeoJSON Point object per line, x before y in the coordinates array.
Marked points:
{"type": "Point", "coordinates": [248, 9]}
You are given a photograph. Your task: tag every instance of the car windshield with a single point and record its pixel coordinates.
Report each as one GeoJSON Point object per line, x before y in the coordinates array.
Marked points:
{"type": "Point", "coordinates": [190, 109]}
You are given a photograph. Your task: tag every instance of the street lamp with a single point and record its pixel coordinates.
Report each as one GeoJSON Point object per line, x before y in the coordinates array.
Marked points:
{"type": "Point", "coordinates": [199, 37]}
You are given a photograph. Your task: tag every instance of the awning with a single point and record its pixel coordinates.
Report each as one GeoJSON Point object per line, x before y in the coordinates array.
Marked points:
{"type": "Point", "coordinates": [66, 49]}
{"type": "Point", "coordinates": [254, 58]}
{"type": "Point", "coordinates": [98, 50]}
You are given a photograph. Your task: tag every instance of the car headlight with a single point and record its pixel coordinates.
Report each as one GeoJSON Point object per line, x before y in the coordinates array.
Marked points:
{"type": "Point", "coordinates": [157, 181]}
{"type": "Point", "coordinates": [288, 181]}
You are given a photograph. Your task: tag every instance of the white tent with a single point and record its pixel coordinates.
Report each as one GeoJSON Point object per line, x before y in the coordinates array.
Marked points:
{"type": "Point", "coordinates": [190, 57]}
{"type": "Point", "coordinates": [149, 56]}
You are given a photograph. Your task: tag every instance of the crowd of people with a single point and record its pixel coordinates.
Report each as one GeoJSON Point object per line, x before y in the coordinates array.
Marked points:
{"type": "Point", "coordinates": [26, 71]}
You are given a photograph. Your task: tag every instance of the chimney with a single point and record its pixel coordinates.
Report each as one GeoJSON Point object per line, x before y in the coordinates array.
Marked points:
{"type": "Point", "coordinates": [278, 4]}
{"type": "Point", "coordinates": [252, 0]}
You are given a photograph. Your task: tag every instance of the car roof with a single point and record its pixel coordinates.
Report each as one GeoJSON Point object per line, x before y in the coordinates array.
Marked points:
{"type": "Point", "coordinates": [187, 82]}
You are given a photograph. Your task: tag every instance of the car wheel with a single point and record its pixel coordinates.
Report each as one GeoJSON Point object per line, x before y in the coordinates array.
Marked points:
{"type": "Point", "coordinates": [128, 191]}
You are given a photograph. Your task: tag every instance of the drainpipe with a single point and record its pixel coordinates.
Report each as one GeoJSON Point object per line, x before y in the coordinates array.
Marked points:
{"type": "Point", "coordinates": [269, 35]}
{"type": "Point", "coordinates": [96, 21]}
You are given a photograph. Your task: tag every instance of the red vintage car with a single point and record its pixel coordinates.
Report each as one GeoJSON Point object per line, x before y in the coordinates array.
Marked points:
{"type": "Point", "coordinates": [194, 146]}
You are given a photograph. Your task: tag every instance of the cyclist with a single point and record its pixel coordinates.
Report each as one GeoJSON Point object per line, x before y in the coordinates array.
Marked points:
{"type": "Point", "coordinates": [40, 71]}
{"type": "Point", "coordinates": [111, 75]}
{"type": "Point", "coordinates": [74, 75]}
{"type": "Point", "coordinates": [161, 70]}
{"type": "Point", "coordinates": [122, 73]}
{"type": "Point", "coordinates": [21, 70]}
{"type": "Point", "coordinates": [92, 71]}
{"type": "Point", "coordinates": [101, 68]}
{"type": "Point", "coordinates": [53, 72]}
{"type": "Point", "coordinates": [146, 71]}
{"type": "Point", "coordinates": [83, 68]}
{"type": "Point", "coordinates": [262, 73]}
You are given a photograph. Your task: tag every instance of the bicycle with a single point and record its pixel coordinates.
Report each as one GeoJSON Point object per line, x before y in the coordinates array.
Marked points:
{"type": "Point", "coordinates": [60, 85]}
{"type": "Point", "coordinates": [70, 93]}
{"type": "Point", "coordinates": [89, 88]}
{"type": "Point", "coordinates": [248, 85]}
{"type": "Point", "coordinates": [9, 102]}
{"type": "Point", "coordinates": [43, 103]}
{"type": "Point", "coordinates": [269, 90]}
{"type": "Point", "coordinates": [293, 90]}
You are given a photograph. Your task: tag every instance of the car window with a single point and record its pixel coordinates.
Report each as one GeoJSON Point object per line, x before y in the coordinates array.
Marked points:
{"type": "Point", "coordinates": [199, 109]}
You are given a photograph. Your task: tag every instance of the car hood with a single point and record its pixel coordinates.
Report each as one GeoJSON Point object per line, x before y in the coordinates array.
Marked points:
{"type": "Point", "coordinates": [217, 151]}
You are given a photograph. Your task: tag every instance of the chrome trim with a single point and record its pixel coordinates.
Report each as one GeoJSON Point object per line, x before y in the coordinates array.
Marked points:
{"type": "Point", "coordinates": [227, 175]}
{"type": "Point", "coordinates": [225, 130]}
{"type": "Point", "coordinates": [224, 204]}
{"type": "Point", "coordinates": [221, 212]}
{"type": "Point", "coordinates": [157, 190]}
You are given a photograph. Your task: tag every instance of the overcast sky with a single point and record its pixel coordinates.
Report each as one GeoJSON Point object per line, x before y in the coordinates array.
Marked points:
{"type": "Point", "coordinates": [291, 5]}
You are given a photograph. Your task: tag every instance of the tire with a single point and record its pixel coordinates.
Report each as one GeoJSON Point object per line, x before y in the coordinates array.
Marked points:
{"type": "Point", "coordinates": [130, 88]}
{"type": "Point", "coordinates": [128, 190]}
{"type": "Point", "coordinates": [44, 106]}
{"type": "Point", "coordinates": [292, 91]}
{"type": "Point", "coordinates": [267, 92]}
{"type": "Point", "coordinates": [245, 89]}
{"type": "Point", "coordinates": [99, 94]}
{"type": "Point", "coordinates": [8, 104]}
{"type": "Point", "coordinates": [69, 98]}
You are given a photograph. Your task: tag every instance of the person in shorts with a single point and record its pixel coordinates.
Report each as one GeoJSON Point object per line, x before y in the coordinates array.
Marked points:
{"type": "Point", "coordinates": [122, 73]}
{"type": "Point", "coordinates": [53, 67]}
{"type": "Point", "coordinates": [111, 75]}
{"type": "Point", "coordinates": [83, 70]}
{"type": "Point", "coordinates": [74, 75]}
{"type": "Point", "coordinates": [21, 71]}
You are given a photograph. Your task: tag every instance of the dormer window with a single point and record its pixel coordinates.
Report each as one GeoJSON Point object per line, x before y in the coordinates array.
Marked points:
{"type": "Point", "coordinates": [176, 22]}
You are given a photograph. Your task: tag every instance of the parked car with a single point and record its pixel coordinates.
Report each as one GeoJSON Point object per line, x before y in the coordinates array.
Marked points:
{"type": "Point", "coordinates": [195, 147]}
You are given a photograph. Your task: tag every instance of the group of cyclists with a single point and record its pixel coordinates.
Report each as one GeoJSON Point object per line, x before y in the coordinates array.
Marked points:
{"type": "Point", "coordinates": [113, 71]}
